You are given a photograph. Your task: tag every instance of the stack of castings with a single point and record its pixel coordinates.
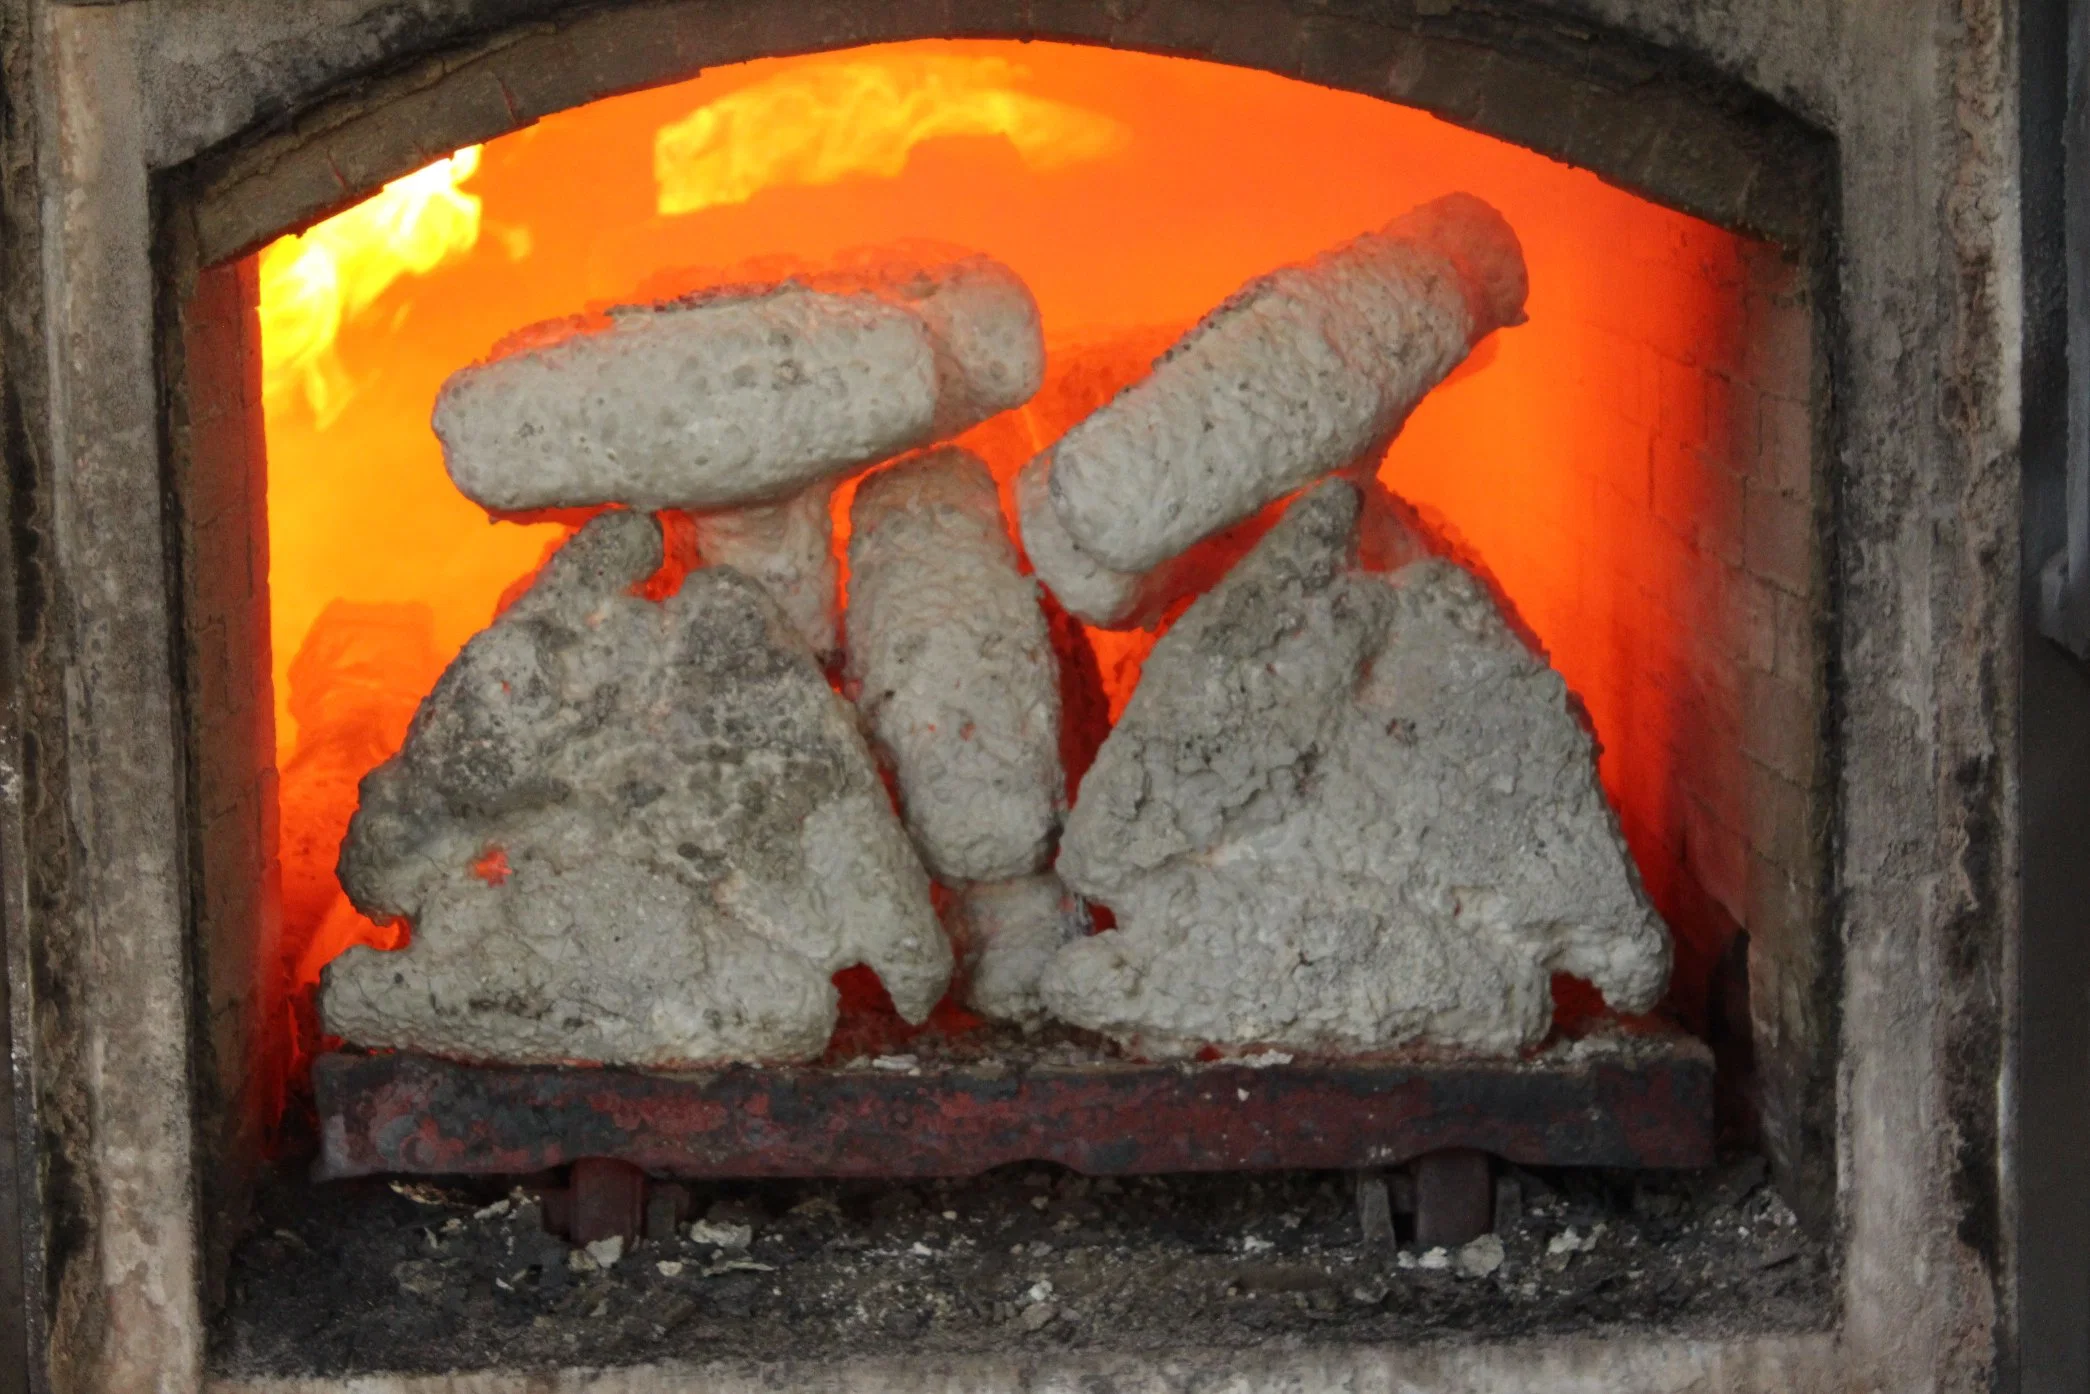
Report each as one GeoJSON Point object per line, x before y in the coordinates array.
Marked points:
{"type": "Point", "coordinates": [1346, 809]}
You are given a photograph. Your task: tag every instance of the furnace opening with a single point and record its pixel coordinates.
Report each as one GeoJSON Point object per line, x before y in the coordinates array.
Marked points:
{"type": "Point", "coordinates": [1623, 472]}
{"type": "Point", "coordinates": [1624, 466]}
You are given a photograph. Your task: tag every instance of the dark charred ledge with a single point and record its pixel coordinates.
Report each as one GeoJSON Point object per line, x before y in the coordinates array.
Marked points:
{"type": "Point", "coordinates": [1030, 1277]}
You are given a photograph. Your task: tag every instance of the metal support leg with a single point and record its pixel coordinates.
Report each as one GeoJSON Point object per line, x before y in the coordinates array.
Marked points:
{"type": "Point", "coordinates": [609, 1198]}
{"type": "Point", "coordinates": [1374, 1211]}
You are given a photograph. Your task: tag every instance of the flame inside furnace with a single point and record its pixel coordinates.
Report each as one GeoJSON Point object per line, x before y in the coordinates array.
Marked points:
{"type": "Point", "coordinates": [312, 282]}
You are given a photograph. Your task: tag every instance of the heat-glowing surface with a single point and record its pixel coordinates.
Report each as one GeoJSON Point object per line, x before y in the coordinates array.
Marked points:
{"type": "Point", "coordinates": [1132, 192]}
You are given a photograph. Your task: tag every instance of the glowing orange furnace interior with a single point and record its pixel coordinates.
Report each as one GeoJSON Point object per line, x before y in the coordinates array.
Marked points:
{"type": "Point", "coordinates": [1132, 193]}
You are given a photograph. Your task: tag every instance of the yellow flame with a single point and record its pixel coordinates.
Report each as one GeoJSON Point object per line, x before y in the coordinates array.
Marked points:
{"type": "Point", "coordinates": [822, 123]}
{"type": "Point", "coordinates": [314, 281]}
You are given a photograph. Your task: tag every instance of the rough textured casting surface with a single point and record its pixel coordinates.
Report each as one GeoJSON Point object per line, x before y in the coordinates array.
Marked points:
{"type": "Point", "coordinates": [1297, 374]}
{"type": "Point", "coordinates": [1010, 931]}
{"type": "Point", "coordinates": [1120, 599]}
{"type": "Point", "coordinates": [743, 394]}
{"type": "Point", "coordinates": [1390, 536]}
{"type": "Point", "coordinates": [1347, 811]}
{"type": "Point", "coordinates": [789, 548]}
{"type": "Point", "coordinates": [1087, 587]}
{"type": "Point", "coordinates": [630, 832]}
{"type": "Point", "coordinates": [952, 665]}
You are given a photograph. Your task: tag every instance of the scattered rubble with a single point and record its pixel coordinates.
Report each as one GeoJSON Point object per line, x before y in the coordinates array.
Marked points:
{"type": "Point", "coordinates": [1481, 1257]}
{"type": "Point", "coordinates": [723, 1236]}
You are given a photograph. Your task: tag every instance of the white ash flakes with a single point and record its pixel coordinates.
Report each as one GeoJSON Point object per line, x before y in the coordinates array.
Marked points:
{"type": "Point", "coordinates": [1482, 1257]}
{"type": "Point", "coordinates": [599, 1253]}
{"type": "Point", "coordinates": [737, 1265]}
{"type": "Point", "coordinates": [1562, 1247]}
{"type": "Point", "coordinates": [723, 1236]}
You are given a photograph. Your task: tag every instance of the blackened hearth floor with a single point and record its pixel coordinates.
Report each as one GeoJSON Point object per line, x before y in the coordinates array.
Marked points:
{"type": "Point", "coordinates": [431, 1275]}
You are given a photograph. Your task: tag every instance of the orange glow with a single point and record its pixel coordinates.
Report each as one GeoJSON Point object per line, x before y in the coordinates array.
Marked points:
{"type": "Point", "coordinates": [1132, 192]}
{"type": "Point", "coordinates": [825, 121]}
{"type": "Point", "coordinates": [492, 866]}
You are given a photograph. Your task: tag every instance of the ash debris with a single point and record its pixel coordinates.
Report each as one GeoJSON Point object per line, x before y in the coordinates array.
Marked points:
{"type": "Point", "coordinates": [418, 1277]}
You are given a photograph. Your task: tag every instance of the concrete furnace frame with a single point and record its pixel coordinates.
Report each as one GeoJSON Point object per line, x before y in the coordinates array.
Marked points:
{"type": "Point", "coordinates": [144, 142]}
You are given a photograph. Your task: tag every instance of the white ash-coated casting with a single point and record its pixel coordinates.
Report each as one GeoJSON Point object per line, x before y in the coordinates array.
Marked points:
{"type": "Point", "coordinates": [1111, 599]}
{"type": "Point", "coordinates": [1297, 374]}
{"type": "Point", "coordinates": [952, 666]}
{"type": "Point", "coordinates": [743, 394]}
{"type": "Point", "coordinates": [1010, 931]}
{"type": "Point", "coordinates": [633, 832]}
{"type": "Point", "coordinates": [1346, 809]}
{"type": "Point", "coordinates": [788, 548]}
{"type": "Point", "coordinates": [1087, 587]}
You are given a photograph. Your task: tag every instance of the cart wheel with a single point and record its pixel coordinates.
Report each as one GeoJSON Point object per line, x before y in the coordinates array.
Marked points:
{"type": "Point", "coordinates": [1454, 1198]}
{"type": "Point", "coordinates": [1374, 1211]}
{"type": "Point", "coordinates": [609, 1198]}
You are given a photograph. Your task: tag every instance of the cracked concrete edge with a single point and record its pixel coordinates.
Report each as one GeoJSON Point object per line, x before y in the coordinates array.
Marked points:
{"type": "Point", "coordinates": [133, 1282]}
{"type": "Point", "coordinates": [1804, 1363]}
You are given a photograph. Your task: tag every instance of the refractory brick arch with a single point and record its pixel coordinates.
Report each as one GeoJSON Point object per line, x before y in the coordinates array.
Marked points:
{"type": "Point", "coordinates": [1649, 121]}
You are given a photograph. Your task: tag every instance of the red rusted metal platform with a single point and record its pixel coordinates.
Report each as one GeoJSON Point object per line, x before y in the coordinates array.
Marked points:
{"type": "Point", "coordinates": [1621, 1100]}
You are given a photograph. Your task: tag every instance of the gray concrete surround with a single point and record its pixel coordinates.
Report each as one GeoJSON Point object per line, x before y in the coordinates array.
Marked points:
{"type": "Point", "coordinates": [143, 139]}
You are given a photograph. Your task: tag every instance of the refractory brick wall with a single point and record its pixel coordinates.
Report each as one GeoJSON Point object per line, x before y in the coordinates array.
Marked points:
{"type": "Point", "coordinates": [1732, 565]}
